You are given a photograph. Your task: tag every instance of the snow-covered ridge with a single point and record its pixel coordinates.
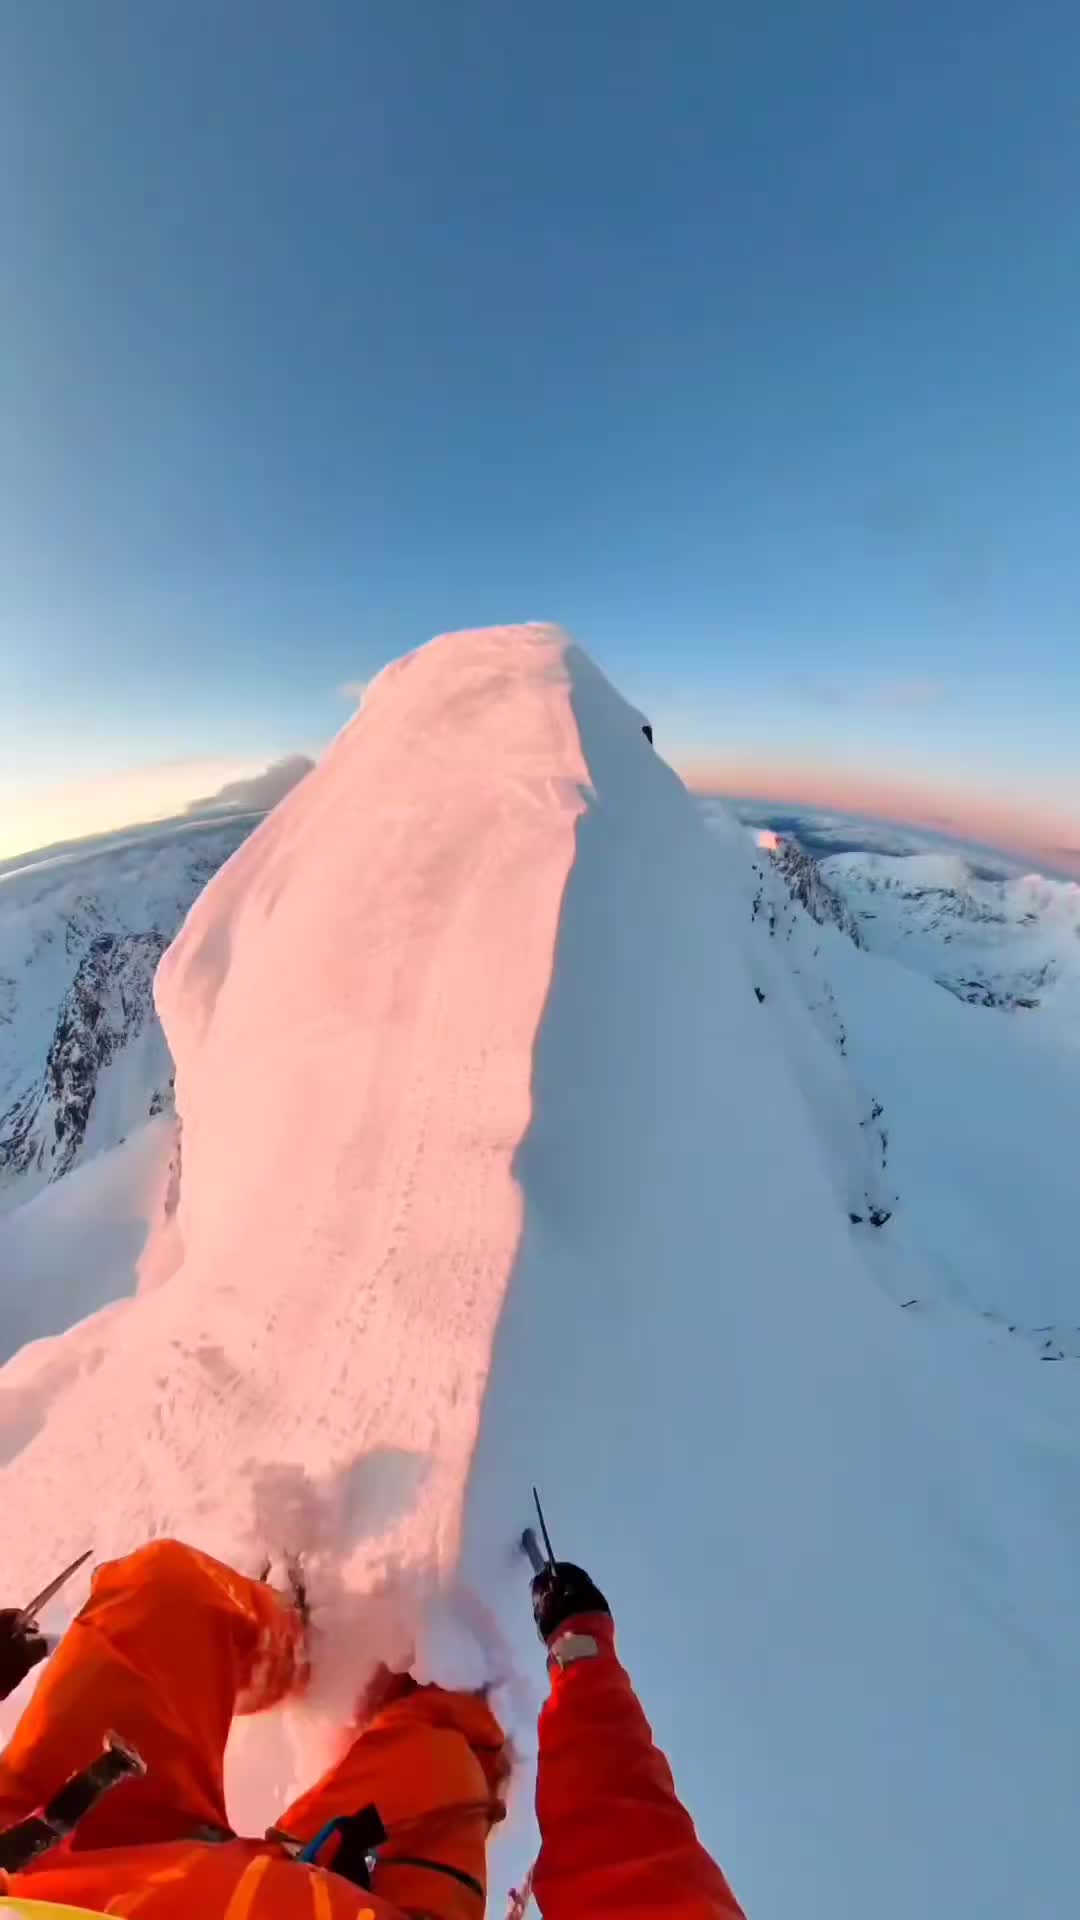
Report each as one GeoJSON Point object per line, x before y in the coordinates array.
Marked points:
{"type": "Point", "coordinates": [82, 1057]}
{"type": "Point", "coordinates": [521, 1116]}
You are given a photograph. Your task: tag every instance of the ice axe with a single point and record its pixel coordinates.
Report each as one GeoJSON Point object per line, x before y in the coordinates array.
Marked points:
{"type": "Point", "coordinates": [540, 1560]}
{"type": "Point", "coordinates": [21, 1844]}
{"type": "Point", "coordinates": [28, 1614]}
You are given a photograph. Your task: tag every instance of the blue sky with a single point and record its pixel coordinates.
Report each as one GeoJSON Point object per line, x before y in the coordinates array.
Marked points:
{"type": "Point", "coordinates": [741, 339]}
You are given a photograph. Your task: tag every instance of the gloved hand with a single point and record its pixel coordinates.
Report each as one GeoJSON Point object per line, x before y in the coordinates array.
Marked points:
{"type": "Point", "coordinates": [561, 1592]}
{"type": "Point", "coordinates": [22, 1645]}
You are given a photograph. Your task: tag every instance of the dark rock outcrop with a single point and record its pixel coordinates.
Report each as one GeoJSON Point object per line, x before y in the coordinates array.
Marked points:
{"type": "Point", "coordinates": [108, 1006]}
{"type": "Point", "coordinates": [804, 881]}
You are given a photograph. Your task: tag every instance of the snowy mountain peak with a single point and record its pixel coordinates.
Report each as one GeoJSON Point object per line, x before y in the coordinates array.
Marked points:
{"type": "Point", "coordinates": [520, 1135]}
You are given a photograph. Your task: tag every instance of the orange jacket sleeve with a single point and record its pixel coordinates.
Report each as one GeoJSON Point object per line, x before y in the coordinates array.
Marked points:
{"type": "Point", "coordinates": [615, 1839]}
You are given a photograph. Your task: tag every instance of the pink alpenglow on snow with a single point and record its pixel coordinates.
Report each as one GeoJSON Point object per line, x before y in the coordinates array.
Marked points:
{"type": "Point", "coordinates": [493, 1168]}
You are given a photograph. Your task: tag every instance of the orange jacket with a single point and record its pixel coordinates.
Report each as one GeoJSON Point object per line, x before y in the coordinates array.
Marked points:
{"type": "Point", "coordinates": [191, 1880]}
{"type": "Point", "coordinates": [169, 1646]}
{"type": "Point", "coordinates": [616, 1843]}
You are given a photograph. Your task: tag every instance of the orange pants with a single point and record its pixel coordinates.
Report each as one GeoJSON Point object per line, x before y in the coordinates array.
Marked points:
{"type": "Point", "coordinates": [169, 1645]}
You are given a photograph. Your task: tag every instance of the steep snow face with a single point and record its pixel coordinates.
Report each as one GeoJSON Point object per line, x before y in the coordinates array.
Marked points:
{"type": "Point", "coordinates": [974, 1115]}
{"type": "Point", "coordinates": [66, 1254]}
{"type": "Point", "coordinates": [519, 1129]}
{"type": "Point", "coordinates": [995, 942]}
{"type": "Point", "coordinates": [982, 1114]}
{"type": "Point", "coordinates": [845, 1114]}
{"type": "Point", "coordinates": [82, 1056]}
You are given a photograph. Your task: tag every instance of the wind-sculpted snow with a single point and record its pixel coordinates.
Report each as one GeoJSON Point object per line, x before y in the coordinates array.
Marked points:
{"type": "Point", "coordinates": [515, 1147]}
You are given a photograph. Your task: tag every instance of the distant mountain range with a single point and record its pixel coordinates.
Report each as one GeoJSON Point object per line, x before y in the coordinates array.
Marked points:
{"type": "Point", "coordinates": [1011, 942]}
{"type": "Point", "coordinates": [823, 832]}
{"type": "Point", "coordinates": [978, 923]}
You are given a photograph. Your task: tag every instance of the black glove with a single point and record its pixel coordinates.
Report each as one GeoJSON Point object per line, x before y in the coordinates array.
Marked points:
{"type": "Point", "coordinates": [22, 1645]}
{"type": "Point", "coordinates": [560, 1592]}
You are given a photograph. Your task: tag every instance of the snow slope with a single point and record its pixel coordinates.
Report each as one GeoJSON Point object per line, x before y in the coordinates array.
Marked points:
{"type": "Point", "coordinates": [495, 1166]}
{"type": "Point", "coordinates": [76, 1246]}
{"type": "Point", "coordinates": [976, 1106]}
{"type": "Point", "coordinates": [983, 1118]}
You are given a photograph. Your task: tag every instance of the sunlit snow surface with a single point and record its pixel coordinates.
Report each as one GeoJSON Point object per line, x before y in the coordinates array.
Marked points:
{"type": "Point", "coordinates": [494, 1168]}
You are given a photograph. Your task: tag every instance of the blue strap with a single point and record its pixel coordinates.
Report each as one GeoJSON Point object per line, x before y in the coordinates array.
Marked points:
{"type": "Point", "coordinates": [311, 1852]}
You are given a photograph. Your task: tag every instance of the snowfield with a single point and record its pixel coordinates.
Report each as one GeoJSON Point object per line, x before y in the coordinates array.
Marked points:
{"type": "Point", "coordinates": [979, 1095]}
{"type": "Point", "coordinates": [522, 1119]}
{"type": "Point", "coordinates": [75, 1247]}
{"type": "Point", "coordinates": [1008, 941]}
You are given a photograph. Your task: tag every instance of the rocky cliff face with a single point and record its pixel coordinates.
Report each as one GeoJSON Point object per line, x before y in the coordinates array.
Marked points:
{"type": "Point", "coordinates": [807, 884]}
{"type": "Point", "coordinates": [83, 1060]}
{"type": "Point", "coordinates": [107, 1011]}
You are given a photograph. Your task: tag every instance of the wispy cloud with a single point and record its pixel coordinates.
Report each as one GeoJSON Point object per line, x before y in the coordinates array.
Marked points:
{"type": "Point", "coordinates": [257, 792]}
{"type": "Point", "coordinates": [38, 815]}
{"type": "Point", "coordinates": [913, 692]}
{"type": "Point", "coordinates": [353, 691]}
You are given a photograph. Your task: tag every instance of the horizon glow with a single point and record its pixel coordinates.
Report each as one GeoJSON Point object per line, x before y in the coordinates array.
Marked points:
{"type": "Point", "coordinates": [38, 817]}
{"type": "Point", "coordinates": [35, 818]}
{"type": "Point", "coordinates": [1047, 834]}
